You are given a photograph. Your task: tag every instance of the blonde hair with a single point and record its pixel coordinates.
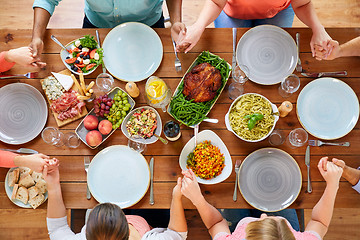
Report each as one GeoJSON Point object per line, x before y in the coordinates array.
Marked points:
{"type": "Point", "coordinates": [269, 229]}
{"type": "Point", "coordinates": [107, 222]}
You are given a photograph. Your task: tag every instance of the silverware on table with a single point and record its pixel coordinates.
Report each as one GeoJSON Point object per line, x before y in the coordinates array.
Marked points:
{"type": "Point", "coordinates": [211, 120]}
{"type": "Point", "coordinates": [87, 163]}
{"type": "Point", "coordinates": [298, 65]}
{"type": "Point", "coordinates": [325, 74]}
{"type": "Point", "coordinates": [237, 168]}
{"type": "Point", "coordinates": [307, 163]}
{"type": "Point", "coordinates": [28, 75]}
{"type": "Point", "coordinates": [99, 43]}
{"type": "Point", "coordinates": [58, 42]}
{"type": "Point", "coordinates": [163, 140]}
{"type": "Point", "coordinates": [21, 150]}
{"type": "Point", "coordinates": [234, 32]}
{"type": "Point", "coordinates": [196, 130]}
{"type": "Point", "coordinates": [151, 181]}
{"type": "Point", "coordinates": [177, 61]}
{"type": "Point", "coordinates": [318, 143]}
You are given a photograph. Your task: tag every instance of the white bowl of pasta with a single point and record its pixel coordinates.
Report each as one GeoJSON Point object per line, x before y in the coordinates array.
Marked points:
{"type": "Point", "coordinates": [251, 117]}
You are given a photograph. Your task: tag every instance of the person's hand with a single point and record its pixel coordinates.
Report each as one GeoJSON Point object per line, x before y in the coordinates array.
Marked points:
{"type": "Point", "coordinates": [177, 189]}
{"type": "Point", "coordinates": [338, 162]}
{"type": "Point", "coordinates": [51, 178]}
{"type": "Point", "coordinates": [176, 29]}
{"type": "Point", "coordinates": [36, 162]}
{"type": "Point", "coordinates": [188, 38]}
{"type": "Point", "coordinates": [37, 46]}
{"type": "Point", "coordinates": [321, 54]}
{"type": "Point", "coordinates": [330, 172]}
{"type": "Point", "coordinates": [321, 39]}
{"type": "Point", "coordinates": [190, 187]}
{"type": "Point", "coordinates": [23, 56]}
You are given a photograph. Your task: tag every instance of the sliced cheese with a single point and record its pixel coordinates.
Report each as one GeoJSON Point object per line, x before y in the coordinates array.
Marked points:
{"type": "Point", "coordinates": [65, 80]}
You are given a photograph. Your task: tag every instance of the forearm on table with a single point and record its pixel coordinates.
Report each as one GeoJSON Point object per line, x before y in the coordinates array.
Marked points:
{"type": "Point", "coordinates": [210, 11]}
{"type": "Point", "coordinates": [351, 48]}
{"type": "Point", "coordinates": [305, 11]}
{"type": "Point", "coordinates": [7, 159]}
{"type": "Point", "coordinates": [177, 216]}
{"type": "Point", "coordinates": [41, 20]}
{"type": "Point", "coordinates": [56, 207]}
{"type": "Point", "coordinates": [175, 11]}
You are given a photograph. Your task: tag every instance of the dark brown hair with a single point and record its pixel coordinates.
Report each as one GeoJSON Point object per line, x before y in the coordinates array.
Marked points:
{"type": "Point", "coordinates": [269, 229]}
{"type": "Point", "coordinates": [107, 222]}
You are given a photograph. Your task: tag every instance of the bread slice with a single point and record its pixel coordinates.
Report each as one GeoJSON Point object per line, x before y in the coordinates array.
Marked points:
{"type": "Point", "coordinates": [33, 192]}
{"type": "Point", "coordinates": [26, 181]}
{"type": "Point", "coordinates": [24, 171]}
{"type": "Point", "coordinates": [15, 189]}
{"type": "Point", "coordinates": [22, 195]}
{"type": "Point", "coordinates": [36, 201]}
{"type": "Point", "coordinates": [36, 176]}
{"type": "Point", "coordinates": [13, 177]}
{"type": "Point", "coordinates": [42, 186]}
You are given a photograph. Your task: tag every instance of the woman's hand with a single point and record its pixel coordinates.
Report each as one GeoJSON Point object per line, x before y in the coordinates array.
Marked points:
{"type": "Point", "coordinates": [330, 172]}
{"type": "Point", "coordinates": [36, 162]}
{"type": "Point", "coordinates": [24, 57]}
{"type": "Point", "coordinates": [177, 189]}
{"type": "Point", "coordinates": [188, 38]}
{"type": "Point", "coordinates": [321, 54]}
{"type": "Point", "coordinates": [51, 178]}
{"type": "Point", "coordinates": [320, 42]}
{"type": "Point", "coordinates": [190, 187]}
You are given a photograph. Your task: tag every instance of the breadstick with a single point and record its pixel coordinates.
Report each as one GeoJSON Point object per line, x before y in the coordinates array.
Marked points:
{"type": "Point", "coordinates": [77, 84]}
{"type": "Point", "coordinates": [90, 86]}
{"type": "Point", "coordinates": [83, 97]}
{"type": "Point", "coordinates": [91, 90]}
{"type": "Point", "coordinates": [87, 94]}
{"type": "Point", "coordinates": [82, 83]}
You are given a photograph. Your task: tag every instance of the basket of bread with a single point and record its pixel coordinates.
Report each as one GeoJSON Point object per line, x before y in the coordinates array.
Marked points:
{"type": "Point", "coordinates": [25, 187]}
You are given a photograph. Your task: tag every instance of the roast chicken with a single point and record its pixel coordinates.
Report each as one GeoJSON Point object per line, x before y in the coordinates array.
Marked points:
{"type": "Point", "coordinates": [202, 82]}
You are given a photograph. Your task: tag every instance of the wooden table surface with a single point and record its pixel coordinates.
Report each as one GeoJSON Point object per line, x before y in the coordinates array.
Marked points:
{"type": "Point", "coordinates": [166, 170]}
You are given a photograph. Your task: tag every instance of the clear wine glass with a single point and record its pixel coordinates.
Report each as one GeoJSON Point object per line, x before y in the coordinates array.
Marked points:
{"type": "Point", "coordinates": [53, 136]}
{"type": "Point", "coordinates": [239, 75]}
{"type": "Point", "coordinates": [289, 85]}
{"type": "Point", "coordinates": [104, 82]}
{"type": "Point", "coordinates": [71, 140]}
{"type": "Point", "coordinates": [137, 146]}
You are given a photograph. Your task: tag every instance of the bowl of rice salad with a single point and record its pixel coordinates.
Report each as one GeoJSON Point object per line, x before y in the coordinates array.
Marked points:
{"type": "Point", "coordinates": [210, 160]}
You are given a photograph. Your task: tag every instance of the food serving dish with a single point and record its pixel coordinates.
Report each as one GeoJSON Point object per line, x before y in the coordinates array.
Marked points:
{"type": "Point", "coordinates": [132, 51]}
{"type": "Point", "coordinates": [216, 141]}
{"type": "Point", "coordinates": [269, 52]}
{"type": "Point", "coordinates": [73, 53]}
{"type": "Point", "coordinates": [270, 179]}
{"type": "Point", "coordinates": [327, 108]}
{"type": "Point", "coordinates": [81, 131]}
{"type": "Point", "coordinates": [120, 175]}
{"type": "Point", "coordinates": [150, 140]}
{"type": "Point", "coordinates": [275, 114]}
{"type": "Point", "coordinates": [178, 97]}
{"type": "Point", "coordinates": [24, 113]}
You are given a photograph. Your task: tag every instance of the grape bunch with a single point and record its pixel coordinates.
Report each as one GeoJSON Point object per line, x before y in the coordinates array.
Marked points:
{"type": "Point", "coordinates": [102, 105]}
{"type": "Point", "coordinates": [119, 109]}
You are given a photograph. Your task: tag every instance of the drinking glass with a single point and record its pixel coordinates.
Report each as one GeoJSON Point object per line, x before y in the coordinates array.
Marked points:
{"type": "Point", "coordinates": [158, 94]}
{"type": "Point", "coordinates": [276, 138]}
{"type": "Point", "coordinates": [297, 138]}
{"type": "Point", "coordinates": [289, 85]}
{"type": "Point", "coordinates": [137, 146]}
{"type": "Point", "coordinates": [239, 76]}
{"type": "Point", "coordinates": [105, 82]}
{"type": "Point", "coordinates": [53, 136]}
{"type": "Point", "coordinates": [71, 140]}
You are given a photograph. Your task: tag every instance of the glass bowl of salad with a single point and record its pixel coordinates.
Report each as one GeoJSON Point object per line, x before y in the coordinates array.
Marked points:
{"type": "Point", "coordinates": [141, 124]}
{"type": "Point", "coordinates": [82, 55]}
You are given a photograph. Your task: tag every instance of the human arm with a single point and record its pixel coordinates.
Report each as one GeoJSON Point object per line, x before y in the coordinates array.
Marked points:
{"type": "Point", "coordinates": [211, 217]}
{"type": "Point", "coordinates": [348, 49]}
{"type": "Point", "coordinates": [352, 175]}
{"type": "Point", "coordinates": [305, 11]}
{"type": "Point", "coordinates": [322, 212]}
{"type": "Point", "coordinates": [189, 38]}
{"type": "Point", "coordinates": [177, 216]}
{"type": "Point", "coordinates": [36, 162]}
{"type": "Point", "coordinates": [24, 57]}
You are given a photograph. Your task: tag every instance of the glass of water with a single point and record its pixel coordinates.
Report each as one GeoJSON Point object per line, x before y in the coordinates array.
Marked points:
{"type": "Point", "coordinates": [104, 82]}
{"type": "Point", "coordinates": [240, 75]}
{"type": "Point", "coordinates": [289, 85]}
{"type": "Point", "coordinates": [297, 138]}
{"type": "Point", "coordinates": [53, 136]}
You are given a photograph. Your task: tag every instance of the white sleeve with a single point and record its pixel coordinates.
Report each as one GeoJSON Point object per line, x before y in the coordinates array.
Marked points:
{"type": "Point", "coordinates": [59, 230]}
{"type": "Point", "coordinates": [357, 186]}
{"type": "Point", "coordinates": [164, 234]}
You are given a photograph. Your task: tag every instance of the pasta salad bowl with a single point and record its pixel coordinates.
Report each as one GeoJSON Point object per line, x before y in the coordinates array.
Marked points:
{"type": "Point", "coordinates": [251, 117]}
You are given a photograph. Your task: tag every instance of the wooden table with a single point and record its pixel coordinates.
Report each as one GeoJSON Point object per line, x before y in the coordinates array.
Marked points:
{"type": "Point", "coordinates": [166, 171]}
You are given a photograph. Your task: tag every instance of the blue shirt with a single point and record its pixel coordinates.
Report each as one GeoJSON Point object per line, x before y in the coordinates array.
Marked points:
{"type": "Point", "coordinates": [110, 13]}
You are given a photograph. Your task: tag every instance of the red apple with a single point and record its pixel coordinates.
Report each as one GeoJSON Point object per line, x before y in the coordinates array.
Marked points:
{"type": "Point", "coordinates": [91, 122]}
{"type": "Point", "coordinates": [93, 138]}
{"type": "Point", "coordinates": [105, 127]}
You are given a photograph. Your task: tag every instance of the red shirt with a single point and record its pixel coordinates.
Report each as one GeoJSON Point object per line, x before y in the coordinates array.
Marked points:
{"type": "Point", "coordinates": [5, 65]}
{"type": "Point", "coordinates": [7, 159]}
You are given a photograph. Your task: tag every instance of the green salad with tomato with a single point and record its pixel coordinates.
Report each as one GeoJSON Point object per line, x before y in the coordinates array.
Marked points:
{"type": "Point", "coordinates": [84, 55]}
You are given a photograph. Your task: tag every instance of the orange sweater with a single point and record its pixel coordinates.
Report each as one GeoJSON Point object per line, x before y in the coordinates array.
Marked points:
{"type": "Point", "coordinates": [7, 159]}
{"type": "Point", "coordinates": [4, 65]}
{"type": "Point", "coordinates": [255, 9]}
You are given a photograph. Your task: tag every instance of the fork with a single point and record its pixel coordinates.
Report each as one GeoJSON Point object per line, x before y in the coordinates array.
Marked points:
{"type": "Point", "coordinates": [237, 167]}
{"type": "Point", "coordinates": [28, 75]}
{"type": "Point", "coordinates": [177, 61]}
{"type": "Point", "coordinates": [298, 65]}
{"type": "Point", "coordinates": [87, 163]}
{"type": "Point", "coordinates": [318, 143]}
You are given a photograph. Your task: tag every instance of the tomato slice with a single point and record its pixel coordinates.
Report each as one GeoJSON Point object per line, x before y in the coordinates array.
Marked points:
{"type": "Point", "coordinates": [90, 66]}
{"type": "Point", "coordinates": [92, 54]}
{"type": "Point", "coordinates": [80, 65]}
{"type": "Point", "coordinates": [70, 60]}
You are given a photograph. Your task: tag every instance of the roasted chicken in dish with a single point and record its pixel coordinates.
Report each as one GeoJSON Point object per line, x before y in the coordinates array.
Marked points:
{"type": "Point", "coordinates": [202, 82]}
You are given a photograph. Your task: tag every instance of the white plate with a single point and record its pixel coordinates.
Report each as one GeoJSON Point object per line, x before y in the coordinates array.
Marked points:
{"type": "Point", "coordinates": [327, 108]}
{"type": "Point", "coordinates": [132, 51]}
{"type": "Point", "coordinates": [216, 141]}
{"type": "Point", "coordinates": [9, 191]}
{"type": "Point", "coordinates": [150, 140]}
{"type": "Point", "coordinates": [119, 175]}
{"type": "Point", "coordinates": [270, 179]}
{"type": "Point", "coordinates": [269, 52]}
{"type": "Point", "coordinates": [23, 113]}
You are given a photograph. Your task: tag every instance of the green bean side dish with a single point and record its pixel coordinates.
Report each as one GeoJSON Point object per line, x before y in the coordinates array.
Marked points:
{"type": "Point", "coordinates": [189, 112]}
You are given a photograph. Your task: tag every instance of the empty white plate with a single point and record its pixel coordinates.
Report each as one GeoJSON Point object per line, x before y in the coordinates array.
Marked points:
{"type": "Point", "coordinates": [269, 52]}
{"type": "Point", "coordinates": [23, 113]}
{"type": "Point", "coordinates": [120, 175]}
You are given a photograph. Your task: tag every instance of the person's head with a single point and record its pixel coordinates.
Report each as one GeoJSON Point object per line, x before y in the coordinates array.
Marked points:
{"type": "Point", "coordinates": [107, 222]}
{"type": "Point", "coordinates": [269, 228]}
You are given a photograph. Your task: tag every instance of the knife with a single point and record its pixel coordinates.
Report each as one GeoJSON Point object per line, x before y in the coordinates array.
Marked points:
{"type": "Point", "coordinates": [99, 43]}
{"type": "Point", "coordinates": [151, 181]}
{"type": "Point", "coordinates": [307, 163]}
{"type": "Point", "coordinates": [21, 150]}
{"type": "Point", "coordinates": [234, 31]}
{"type": "Point", "coordinates": [325, 74]}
